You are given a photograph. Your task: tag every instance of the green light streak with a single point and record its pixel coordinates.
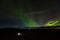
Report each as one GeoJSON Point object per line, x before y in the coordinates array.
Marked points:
{"type": "Point", "coordinates": [31, 23]}
{"type": "Point", "coordinates": [27, 20]}
{"type": "Point", "coordinates": [52, 23]}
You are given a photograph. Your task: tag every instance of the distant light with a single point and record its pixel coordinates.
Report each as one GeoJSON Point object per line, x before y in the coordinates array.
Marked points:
{"type": "Point", "coordinates": [19, 34]}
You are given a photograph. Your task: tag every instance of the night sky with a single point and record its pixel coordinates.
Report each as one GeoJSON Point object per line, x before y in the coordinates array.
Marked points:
{"type": "Point", "coordinates": [28, 13]}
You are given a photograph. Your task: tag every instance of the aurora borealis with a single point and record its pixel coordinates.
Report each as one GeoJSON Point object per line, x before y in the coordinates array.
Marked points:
{"type": "Point", "coordinates": [52, 23]}
{"type": "Point", "coordinates": [29, 13]}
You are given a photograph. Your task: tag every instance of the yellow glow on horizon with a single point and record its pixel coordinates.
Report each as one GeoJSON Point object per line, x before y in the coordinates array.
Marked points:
{"type": "Point", "coordinates": [51, 23]}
